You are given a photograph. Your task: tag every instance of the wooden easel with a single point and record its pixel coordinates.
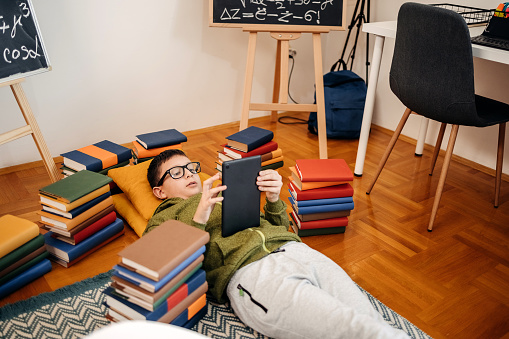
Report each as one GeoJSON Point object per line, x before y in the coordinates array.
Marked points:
{"type": "Point", "coordinates": [280, 93]}
{"type": "Point", "coordinates": [31, 128]}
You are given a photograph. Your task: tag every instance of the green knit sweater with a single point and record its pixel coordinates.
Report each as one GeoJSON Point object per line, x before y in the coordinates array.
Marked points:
{"type": "Point", "coordinates": [224, 256]}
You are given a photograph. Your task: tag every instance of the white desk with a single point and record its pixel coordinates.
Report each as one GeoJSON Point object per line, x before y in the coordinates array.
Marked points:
{"type": "Point", "coordinates": [384, 29]}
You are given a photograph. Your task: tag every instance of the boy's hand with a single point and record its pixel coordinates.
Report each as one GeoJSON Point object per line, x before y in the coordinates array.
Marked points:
{"type": "Point", "coordinates": [208, 199]}
{"type": "Point", "coordinates": [270, 182]}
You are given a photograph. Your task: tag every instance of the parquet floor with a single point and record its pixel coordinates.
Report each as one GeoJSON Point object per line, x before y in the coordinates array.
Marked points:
{"type": "Point", "coordinates": [453, 282]}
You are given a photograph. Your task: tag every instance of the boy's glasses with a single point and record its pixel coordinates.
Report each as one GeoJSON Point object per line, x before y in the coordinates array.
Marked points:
{"type": "Point", "coordinates": [177, 172]}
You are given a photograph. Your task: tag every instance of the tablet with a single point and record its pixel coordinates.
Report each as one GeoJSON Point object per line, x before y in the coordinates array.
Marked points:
{"type": "Point", "coordinates": [241, 204]}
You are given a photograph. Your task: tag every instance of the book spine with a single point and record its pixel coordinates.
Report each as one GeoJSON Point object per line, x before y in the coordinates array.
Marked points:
{"type": "Point", "coordinates": [324, 208]}
{"type": "Point", "coordinates": [25, 277]}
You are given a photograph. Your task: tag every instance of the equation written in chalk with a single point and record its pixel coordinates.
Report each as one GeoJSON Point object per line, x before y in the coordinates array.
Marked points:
{"type": "Point", "coordinates": [278, 12]}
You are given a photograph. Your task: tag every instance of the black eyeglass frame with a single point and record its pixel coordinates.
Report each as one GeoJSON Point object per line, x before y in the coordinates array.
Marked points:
{"type": "Point", "coordinates": [192, 171]}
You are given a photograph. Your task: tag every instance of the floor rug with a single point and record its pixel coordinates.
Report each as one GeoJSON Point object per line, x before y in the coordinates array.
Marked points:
{"type": "Point", "coordinates": [77, 310]}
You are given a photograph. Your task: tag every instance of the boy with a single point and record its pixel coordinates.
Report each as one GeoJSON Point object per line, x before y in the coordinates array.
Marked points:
{"type": "Point", "coordinates": [275, 283]}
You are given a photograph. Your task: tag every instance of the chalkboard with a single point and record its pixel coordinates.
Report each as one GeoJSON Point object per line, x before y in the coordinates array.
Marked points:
{"type": "Point", "coordinates": [22, 52]}
{"type": "Point", "coordinates": [289, 15]}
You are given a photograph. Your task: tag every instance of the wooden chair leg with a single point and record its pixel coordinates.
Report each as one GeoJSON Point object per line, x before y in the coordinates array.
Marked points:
{"type": "Point", "coordinates": [438, 144]}
{"type": "Point", "coordinates": [500, 160]}
{"type": "Point", "coordinates": [389, 148]}
{"type": "Point", "coordinates": [443, 175]}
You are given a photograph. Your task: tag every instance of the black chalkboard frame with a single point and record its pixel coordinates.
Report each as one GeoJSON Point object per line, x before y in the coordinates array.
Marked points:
{"type": "Point", "coordinates": [272, 27]}
{"type": "Point", "coordinates": [23, 74]}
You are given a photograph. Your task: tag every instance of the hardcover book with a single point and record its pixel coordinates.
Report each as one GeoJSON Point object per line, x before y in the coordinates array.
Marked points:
{"type": "Point", "coordinates": [96, 157]}
{"type": "Point", "coordinates": [68, 224]}
{"type": "Point", "coordinates": [317, 231]}
{"type": "Point", "coordinates": [161, 138]}
{"type": "Point", "coordinates": [184, 304]}
{"type": "Point", "coordinates": [314, 202]}
{"type": "Point", "coordinates": [324, 223]}
{"type": "Point", "coordinates": [68, 252]}
{"type": "Point", "coordinates": [195, 310]}
{"type": "Point", "coordinates": [337, 191]}
{"type": "Point", "coordinates": [310, 170]}
{"type": "Point", "coordinates": [142, 152]}
{"type": "Point", "coordinates": [310, 185]}
{"type": "Point", "coordinates": [21, 251]}
{"type": "Point", "coordinates": [23, 267]}
{"type": "Point", "coordinates": [80, 227]}
{"type": "Point", "coordinates": [34, 272]}
{"type": "Point", "coordinates": [75, 186]}
{"type": "Point", "coordinates": [263, 149]}
{"type": "Point", "coordinates": [78, 210]}
{"type": "Point", "coordinates": [21, 261]}
{"type": "Point", "coordinates": [323, 215]}
{"type": "Point", "coordinates": [87, 231]}
{"type": "Point", "coordinates": [274, 166]}
{"type": "Point", "coordinates": [161, 250]}
{"type": "Point", "coordinates": [250, 138]}
{"type": "Point", "coordinates": [15, 231]}
{"type": "Point", "coordinates": [320, 208]}
{"type": "Point", "coordinates": [46, 200]}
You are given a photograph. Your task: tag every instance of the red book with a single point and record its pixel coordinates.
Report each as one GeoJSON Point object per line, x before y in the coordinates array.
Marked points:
{"type": "Point", "coordinates": [324, 223]}
{"type": "Point", "coordinates": [323, 170]}
{"type": "Point", "coordinates": [89, 230]}
{"type": "Point", "coordinates": [265, 148]}
{"type": "Point", "coordinates": [310, 185]}
{"type": "Point", "coordinates": [338, 191]}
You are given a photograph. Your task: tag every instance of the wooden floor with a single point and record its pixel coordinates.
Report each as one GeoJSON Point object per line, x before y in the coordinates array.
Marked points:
{"type": "Point", "coordinates": [453, 282]}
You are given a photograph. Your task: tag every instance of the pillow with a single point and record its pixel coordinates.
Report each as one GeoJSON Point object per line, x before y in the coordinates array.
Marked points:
{"type": "Point", "coordinates": [132, 180]}
{"type": "Point", "coordinates": [124, 207]}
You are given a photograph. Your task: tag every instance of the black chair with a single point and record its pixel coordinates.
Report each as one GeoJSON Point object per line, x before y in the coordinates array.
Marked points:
{"type": "Point", "coordinates": [432, 73]}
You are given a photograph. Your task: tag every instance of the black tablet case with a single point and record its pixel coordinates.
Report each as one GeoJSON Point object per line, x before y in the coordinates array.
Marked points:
{"type": "Point", "coordinates": [241, 204]}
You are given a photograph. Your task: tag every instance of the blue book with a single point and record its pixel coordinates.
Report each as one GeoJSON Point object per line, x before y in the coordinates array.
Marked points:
{"type": "Point", "coordinates": [250, 138]}
{"type": "Point", "coordinates": [68, 252]}
{"type": "Point", "coordinates": [161, 138]}
{"type": "Point", "coordinates": [78, 210]}
{"type": "Point", "coordinates": [183, 321]}
{"type": "Point", "coordinates": [32, 273]}
{"type": "Point", "coordinates": [136, 312]}
{"type": "Point", "coordinates": [321, 208]}
{"type": "Point", "coordinates": [149, 284]}
{"type": "Point", "coordinates": [94, 158]}
{"type": "Point", "coordinates": [329, 201]}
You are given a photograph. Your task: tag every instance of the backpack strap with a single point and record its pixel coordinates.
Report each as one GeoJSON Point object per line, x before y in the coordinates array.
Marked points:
{"type": "Point", "coordinates": [338, 63]}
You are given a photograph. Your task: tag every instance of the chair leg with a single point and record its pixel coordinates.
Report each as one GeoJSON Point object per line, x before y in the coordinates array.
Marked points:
{"type": "Point", "coordinates": [389, 148]}
{"type": "Point", "coordinates": [438, 144]}
{"type": "Point", "coordinates": [443, 175]}
{"type": "Point", "coordinates": [500, 160]}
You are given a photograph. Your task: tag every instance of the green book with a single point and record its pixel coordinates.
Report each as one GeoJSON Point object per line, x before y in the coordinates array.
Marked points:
{"type": "Point", "coordinates": [23, 267]}
{"type": "Point", "coordinates": [21, 252]}
{"type": "Point", "coordinates": [75, 186]}
{"type": "Point", "coordinates": [317, 231]}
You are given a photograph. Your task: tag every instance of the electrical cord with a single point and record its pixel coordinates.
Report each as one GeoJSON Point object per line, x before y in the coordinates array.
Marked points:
{"type": "Point", "coordinates": [295, 120]}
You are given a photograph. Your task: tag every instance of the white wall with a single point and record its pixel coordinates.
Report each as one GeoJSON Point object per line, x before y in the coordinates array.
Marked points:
{"type": "Point", "coordinates": [120, 69]}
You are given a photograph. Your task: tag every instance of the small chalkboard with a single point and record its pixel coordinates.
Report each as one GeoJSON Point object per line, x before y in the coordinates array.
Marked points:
{"type": "Point", "coordinates": [22, 52]}
{"type": "Point", "coordinates": [288, 15]}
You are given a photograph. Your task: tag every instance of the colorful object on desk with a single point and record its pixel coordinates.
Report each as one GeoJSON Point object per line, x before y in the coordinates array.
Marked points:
{"type": "Point", "coordinates": [502, 10]}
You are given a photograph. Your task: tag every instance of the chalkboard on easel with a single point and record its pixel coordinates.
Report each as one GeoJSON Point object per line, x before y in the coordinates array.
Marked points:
{"type": "Point", "coordinates": [22, 51]}
{"type": "Point", "coordinates": [288, 15]}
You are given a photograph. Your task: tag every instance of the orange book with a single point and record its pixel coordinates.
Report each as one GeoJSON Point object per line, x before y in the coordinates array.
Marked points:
{"type": "Point", "coordinates": [323, 170]}
{"type": "Point", "coordinates": [142, 152]}
{"type": "Point", "coordinates": [303, 186]}
{"type": "Point", "coordinates": [15, 231]}
{"type": "Point", "coordinates": [272, 155]}
{"type": "Point", "coordinates": [271, 161]}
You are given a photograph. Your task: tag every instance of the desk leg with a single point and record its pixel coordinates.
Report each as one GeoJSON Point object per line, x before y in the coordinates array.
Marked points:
{"type": "Point", "coordinates": [370, 103]}
{"type": "Point", "coordinates": [422, 136]}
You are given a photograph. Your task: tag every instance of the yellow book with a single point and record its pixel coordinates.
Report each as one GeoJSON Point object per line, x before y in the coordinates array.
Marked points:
{"type": "Point", "coordinates": [271, 161]}
{"type": "Point", "coordinates": [66, 207]}
{"type": "Point", "coordinates": [68, 224]}
{"type": "Point", "coordinates": [15, 231]}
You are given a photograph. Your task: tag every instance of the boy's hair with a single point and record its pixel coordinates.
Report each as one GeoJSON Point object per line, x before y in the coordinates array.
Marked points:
{"type": "Point", "coordinates": [153, 175]}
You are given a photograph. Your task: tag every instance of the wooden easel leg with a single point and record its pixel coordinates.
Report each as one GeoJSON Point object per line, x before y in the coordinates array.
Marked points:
{"type": "Point", "coordinates": [320, 100]}
{"type": "Point", "coordinates": [248, 81]}
{"type": "Point", "coordinates": [277, 80]}
{"type": "Point", "coordinates": [283, 91]}
{"type": "Point", "coordinates": [47, 159]}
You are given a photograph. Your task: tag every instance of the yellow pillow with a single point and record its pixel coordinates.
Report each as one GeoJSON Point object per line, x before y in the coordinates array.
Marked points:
{"type": "Point", "coordinates": [124, 207]}
{"type": "Point", "coordinates": [132, 180]}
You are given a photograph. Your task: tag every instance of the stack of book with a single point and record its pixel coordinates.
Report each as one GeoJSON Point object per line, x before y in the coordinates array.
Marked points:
{"type": "Point", "coordinates": [320, 196]}
{"type": "Point", "coordinates": [148, 145]}
{"type": "Point", "coordinates": [99, 157]}
{"type": "Point", "coordinates": [159, 277]}
{"type": "Point", "coordinates": [78, 212]}
{"type": "Point", "coordinates": [250, 142]}
{"type": "Point", "coordinates": [23, 256]}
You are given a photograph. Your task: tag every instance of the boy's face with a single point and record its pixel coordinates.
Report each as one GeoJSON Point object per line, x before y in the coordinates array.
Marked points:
{"type": "Point", "coordinates": [186, 186]}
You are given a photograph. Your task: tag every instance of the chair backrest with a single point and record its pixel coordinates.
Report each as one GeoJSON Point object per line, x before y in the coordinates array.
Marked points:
{"type": "Point", "coordinates": [432, 70]}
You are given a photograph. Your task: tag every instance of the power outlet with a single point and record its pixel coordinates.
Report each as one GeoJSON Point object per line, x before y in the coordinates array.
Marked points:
{"type": "Point", "coordinates": [292, 53]}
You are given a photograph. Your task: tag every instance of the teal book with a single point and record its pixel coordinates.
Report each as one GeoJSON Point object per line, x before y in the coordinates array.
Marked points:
{"type": "Point", "coordinates": [32, 273]}
{"type": "Point", "coordinates": [75, 186]}
{"type": "Point", "coordinates": [161, 138]}
{"type": "Point", "coordinates": [250, 138]}
{"type": "Point", "coordinates": [21, 252]}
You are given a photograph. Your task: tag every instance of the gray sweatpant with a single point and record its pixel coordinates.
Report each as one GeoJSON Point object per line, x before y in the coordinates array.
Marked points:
{"type": "Point", "coordinates": [300, 293]}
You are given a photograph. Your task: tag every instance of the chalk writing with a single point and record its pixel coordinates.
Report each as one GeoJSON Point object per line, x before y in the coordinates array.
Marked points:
{"type": "Point", "coordinates": [278, 12]}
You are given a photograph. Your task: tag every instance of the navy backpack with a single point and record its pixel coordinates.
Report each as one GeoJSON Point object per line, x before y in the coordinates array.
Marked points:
{"type": "Point", "coordinates": [345, 95]}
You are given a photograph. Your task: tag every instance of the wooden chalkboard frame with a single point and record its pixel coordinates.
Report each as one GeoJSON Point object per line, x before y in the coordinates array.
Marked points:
{"type": "Point", "coordinates": [44, 54]}
{"type": "Point", "coordinates": [280, 27]}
